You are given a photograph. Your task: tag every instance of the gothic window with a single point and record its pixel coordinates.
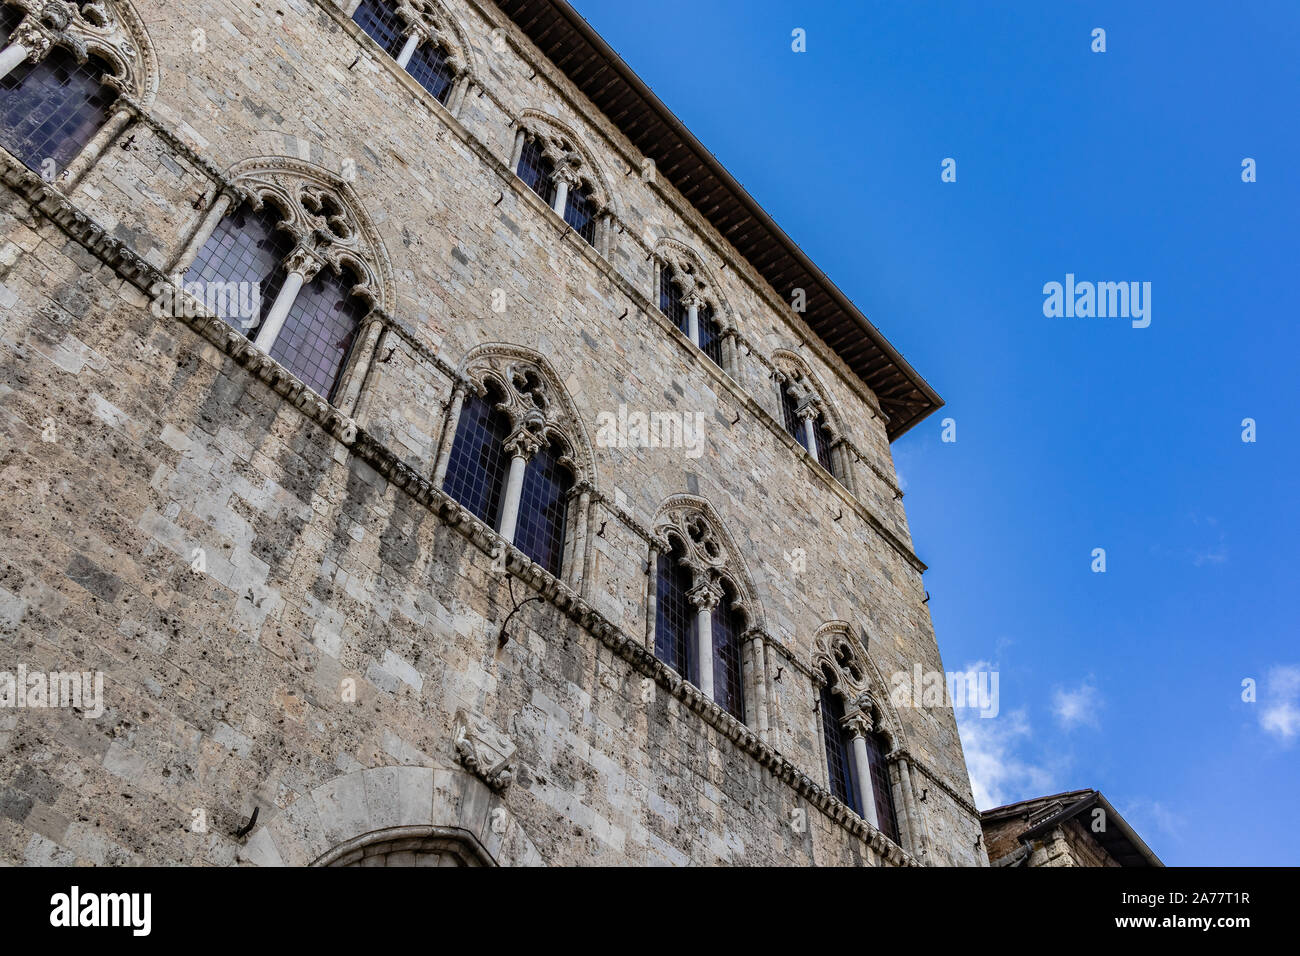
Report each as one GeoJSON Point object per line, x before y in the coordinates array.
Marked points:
{"type": "Point", "coordinates": [59, 64]}
{"type": "Point", "coordinates": [701, 618]}
{"type": "Point", "coordinates": [551, 166]}
{"type": "Point", "coordinates": [543, 507]}
{"type": "Point", "coordinates": [803, 412]}
{"type": "Point", "coordinates": [476, 473]}
{"type": "Point", "coordinates": [683, 299]}
{"type": "Point", "coordinates": [536, 171]}
{"type": "Point", "coordinates": [728, 679]}
{"type": "Point", "coordinates": [839, 749]}
{"type": "Point", "coordinates": [511, 460]}
{"type": "Point", "coordinates": [50, 110]}
{"type": "Point", "coordinates": [292, 267]}
{"type": "Point", "coordinates": [410, 34]}
{"type": "Point", "coordinates": [881, 790]}
{"type": "Point", "coordinates": [675, 642]}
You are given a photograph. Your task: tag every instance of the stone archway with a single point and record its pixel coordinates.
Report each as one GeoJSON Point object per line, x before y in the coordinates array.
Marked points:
{"type": "Point", "coordinates": [390, 812]}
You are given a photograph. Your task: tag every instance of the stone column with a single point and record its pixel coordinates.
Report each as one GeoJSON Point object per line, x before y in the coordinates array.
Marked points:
{"type": "Point", "coordinates": [448, 435]}
{"type": "Point", "coordinates": [408, 49]}
{"type": "Point", "coordinates": [564, 181]}
{"type": "Point", "coordinates": [522, 446]}
{"type": "Point", "coordinates": [693, 303]}
{"type": "Point", "coordinates": [358, 369]}
{"type": "Point", "coordinates": [10, 57]}
{"type": "Point", "coordinates": [207, 226]}
{"type": "Point", "coordinates": [652, 597]}
{"type": "Point", "coordinates": [705, 598]}
{"type": "Point", "coordinates": [99, 143]}
{"type": "Point", "coordinates": [758, 659]}
{"type": "Point", "coordinates": [30, 40]}
{"type": "Point", "coordinates": [521, 136]}
{"type": "Point", "coordinates": [577, 570]}
{"type": "Point", "coordinates": [915, 832]}
{"type": "Point", "coordinates": [859, 725]}
{"type": "Point", "coordinates": [302, 267]}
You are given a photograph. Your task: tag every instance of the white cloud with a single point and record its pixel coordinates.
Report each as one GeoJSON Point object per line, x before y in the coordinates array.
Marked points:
{"type": "Point", "coordinates": [1075, 708]}
{"type": "Point", "coordinates": [1279, 713]}
{"type": "Point", "coordinates": [998, 774]}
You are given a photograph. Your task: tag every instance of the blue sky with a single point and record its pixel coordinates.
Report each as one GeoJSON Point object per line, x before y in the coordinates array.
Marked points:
{"type": "Point", "coordinates": [1072, 433]}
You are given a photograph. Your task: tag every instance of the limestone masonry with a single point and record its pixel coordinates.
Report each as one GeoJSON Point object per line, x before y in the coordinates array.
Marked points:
{"type": "Point", "coordinates": [295, 607]}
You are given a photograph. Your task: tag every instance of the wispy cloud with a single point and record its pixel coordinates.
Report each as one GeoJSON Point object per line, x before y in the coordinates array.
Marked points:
{"type": "Point", "coordinates": [1077, 708]}
{"type": "Point", "coordinates": [998, 774]}
{"type": "Point", "coordinates": [1279, 713]}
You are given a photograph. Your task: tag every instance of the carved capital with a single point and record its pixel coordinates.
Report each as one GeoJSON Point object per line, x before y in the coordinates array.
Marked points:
{"type": "Point", "coordinates": [483, 750]}
{"type": "Point", "coordinates": [523, 444]}
{"type": "Point", "coordinates": [36, 38]}
{"type": "Point", "coordinates": [303, 261]}
{"type": "Point", "coordinates": [704, 597]}
{"type": "Point", "coordinates": [859, 723]}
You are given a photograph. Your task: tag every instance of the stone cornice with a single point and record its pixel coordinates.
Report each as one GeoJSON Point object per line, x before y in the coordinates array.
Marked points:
{"type": "Point", "coordinates": [145, 277]}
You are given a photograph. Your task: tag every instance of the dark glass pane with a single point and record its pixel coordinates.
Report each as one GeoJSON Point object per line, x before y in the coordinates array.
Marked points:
{"type": "Point", "coordinates": [52, 109]}
{"type": "Point", "coordinates": [476, 470]}
{"type": "Point", "coordinates": [319, 331]}
{"type": "Point", "coordinates": [710, 336]}
{"type": "Point", "coordinates": [823, 444]}
{"type": "Point", "coordinates": [670, 299]}
{"type": "Point", "coordinates": [675, 618]}
{"type": "Point", "coordinates": [380, 21]}
{"type": "Point", "coordinates": [728, 674]}
{"type": "Point", "coordinates": [839, 751]}
{"type": "Point", "coordinates": [880, 786]}
{"type": "Point", "coordinates": [10, 17]}
{"type": "Point", "coordinates": [543, 505]}
{"type": "Point", "coordinates": [535, 170]}
{"type": "Point", "coordinates": [789, 418]}
{"type": "Point", "coordinates": [243, 254]}
{"type": "Point", "coordinates": [580, 213]}
{"type": "Point", "coordinates": [429, 67]}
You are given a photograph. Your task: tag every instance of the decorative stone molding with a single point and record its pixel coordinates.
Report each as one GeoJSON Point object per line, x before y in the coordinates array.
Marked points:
{"type": "Point", "coordinates": [483, 750]}
{"type": "Point", "coordinates": [537, 404]}
{"type": "Point", "coordinates": [110, 29]}
{"type": "Point", "coordinates": [324, 216]}
{"type": "Point", "coordinates": [572, 160]}
{"type": "Point", "coordinates": [696, 283]}
{"type": "Point", "coordinates": [433, 24]}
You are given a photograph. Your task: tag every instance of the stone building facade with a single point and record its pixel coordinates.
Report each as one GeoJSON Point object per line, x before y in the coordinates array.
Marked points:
{"type": "Point", "coordinates": [651, 619]}
{"type": "Point", "coordinates": [1078, 828]}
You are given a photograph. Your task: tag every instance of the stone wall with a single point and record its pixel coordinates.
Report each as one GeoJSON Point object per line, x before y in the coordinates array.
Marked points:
{"type": "Point", "coordinates": [331, 563]}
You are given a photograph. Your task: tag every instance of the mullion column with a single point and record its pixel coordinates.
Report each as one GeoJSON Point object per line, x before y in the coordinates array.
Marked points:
{"type": "Point", "coordinates": [521, 446]}
{"type": "Point", "coordinates": [302, 266]}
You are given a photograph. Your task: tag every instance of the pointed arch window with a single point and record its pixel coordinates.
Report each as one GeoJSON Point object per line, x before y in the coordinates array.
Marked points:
{"type": "Point", "coordinates": [728, 678]}
{"type": "Point", "coordinates": [839, 749]}
{"type": "Point", "coordinates": [675, 641]}
{"type": "Point", "coordinates": [710, 335]}
{"type": "Point", "coordinates": [244, 253]}
{"type": "Point", "coordinates": [670, 298]}
{"type": "Point", "coordinates": [476, 472]}
{"type": "Point", "coordinates": [681, 300]}
{"type": "Point", "coordinates": [537, 171]}
{"type": "Point", "coordinates": [414, 45]}
{"type": "Point", "coordinates": [320, 330]}
{"type": "Point", "coordinates": [883, 793]}
{"type": "Point", "coordinates": [51, 110]}
{"type": "Point", "coordinates": [807, 425]}
{"type": "Point", "coordinates": [580, 212]}
{"type": "Point", "coordinates": [510, 467]}
{"type": "Point", "coordinates": [557, 171]}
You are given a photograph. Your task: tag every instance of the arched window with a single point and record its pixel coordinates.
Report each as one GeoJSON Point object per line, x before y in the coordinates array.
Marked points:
{"type": "Point", "coordinates": [511, 461]}
{"type": "Point", "coordinates": [675, 642]}
{"type": "Point", "coordinates": [50, 110]}
{"type": "Point", "coordinates": [476, 472]}
{"type": "Point", "coordinates": [683, 299]}
{"type": "Point", "coordinates": [290, 266]}
{"type": "Point", "coordinates": [728, 677]}
{"type": "Point", "coordinates": [551, 166]}
{"type": "Point", "coordinates": [857, 770]}
{"type": "Point", "coordinates": [410, 34]}
{"type": "Point", "coordinates": [805, 423]}
{"type": "Point", "coordinates": [701, 618]}
{"type": "Point", "coordinates": [839, 749]}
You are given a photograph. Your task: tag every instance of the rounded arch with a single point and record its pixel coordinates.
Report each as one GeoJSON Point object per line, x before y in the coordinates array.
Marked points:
{"type": "Point", "coordinates": [691, 275]}
{"type": "Point", "coordinates": [370, 807]}
{"type": "Point", "coordinates": [534, 398]}
{"type": "Point", "coordinates": [566, 146]}
{"type": "Point", "coordinates": [111, 30]}
{"type": "Point", "coordinates": [325, 215]}
{"type": "Point", "coordinates": [837, 650]}
{"type": "Point", "coordinates": [690, 522]}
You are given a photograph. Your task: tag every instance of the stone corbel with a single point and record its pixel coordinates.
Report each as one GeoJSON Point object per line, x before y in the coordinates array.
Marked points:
{"type": "Point", "coordinates": [483, 750]}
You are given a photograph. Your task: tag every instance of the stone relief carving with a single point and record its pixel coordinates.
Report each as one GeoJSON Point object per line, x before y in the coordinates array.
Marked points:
{"type": "Point", "coordinates": [484, 750]}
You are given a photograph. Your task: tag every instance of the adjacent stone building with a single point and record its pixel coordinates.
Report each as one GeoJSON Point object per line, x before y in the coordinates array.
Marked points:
{"type": "Point", "coordinates": [1079, 828]}
{"type": "Point", "coordinates": [439, 458]}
